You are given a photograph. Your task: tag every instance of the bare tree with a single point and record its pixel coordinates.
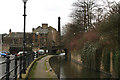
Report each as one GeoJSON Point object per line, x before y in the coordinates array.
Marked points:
{"type": "Point", "coordinates": [83, 13]}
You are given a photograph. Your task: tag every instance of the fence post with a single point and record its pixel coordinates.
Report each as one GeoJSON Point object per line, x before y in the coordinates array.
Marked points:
{"type": "Point", "coordinates": [7, 67]}
{"type": "Point", "coordinates": [28, 59]}
{"type": "Point", "coordinates": [33, 54]}
{"type": "Point", "coordinates": [20, 69]}
{"type": "Point", "coordinates": [15, 73]}
{"type": "Point", "coordinates": [31, 57]}
{"type": "Point", "coordinates": [24, 62]}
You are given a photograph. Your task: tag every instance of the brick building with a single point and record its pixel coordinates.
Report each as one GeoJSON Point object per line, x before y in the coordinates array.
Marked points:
{"type": "Point", "coordinates": [44, 37]}
{"type": "Point", "coordinates": [40, 38]}
{"type": "Point", "coordinates": [13, 42]}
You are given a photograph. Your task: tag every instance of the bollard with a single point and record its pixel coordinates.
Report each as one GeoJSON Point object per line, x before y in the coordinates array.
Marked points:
{"type": "Point", "coordinates": [7, 67]}
{"type": "Point", "coordinates": [20, 69]}
{"type": "Point", "coordinates": [15, 72]}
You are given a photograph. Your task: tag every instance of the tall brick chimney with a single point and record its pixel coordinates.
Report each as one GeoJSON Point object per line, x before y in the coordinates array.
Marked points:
{"type": "Point", "coordinates": [59, 31]}
{"type": "Point", "coordinates": [59, 25]}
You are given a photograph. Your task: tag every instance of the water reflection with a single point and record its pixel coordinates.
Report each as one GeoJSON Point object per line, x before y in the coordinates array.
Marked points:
{"type": "Point", "coordinates": [67, 69]}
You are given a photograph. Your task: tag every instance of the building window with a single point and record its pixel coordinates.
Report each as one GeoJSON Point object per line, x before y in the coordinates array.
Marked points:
{"type": "Point", "coordinates": [36, 40]}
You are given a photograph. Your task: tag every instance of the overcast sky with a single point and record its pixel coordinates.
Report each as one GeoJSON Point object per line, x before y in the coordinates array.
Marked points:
{"type": "Point", "coordinates": [38, 12]}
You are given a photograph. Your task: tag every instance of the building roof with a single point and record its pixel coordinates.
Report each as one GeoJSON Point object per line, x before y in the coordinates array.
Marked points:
{"type": "Point", "coordinates": [16, 35]}
{"type": "Point", "coordinates": [41, 30]}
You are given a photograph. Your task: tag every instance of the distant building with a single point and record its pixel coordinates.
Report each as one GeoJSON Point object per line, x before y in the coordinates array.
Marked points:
{"type": "Point", "coordinates": [44, 37]}
{"type": "Point", "coordinates": [1, 41]}
{"type": "Point", "coordinates": [13, 41]}
{"type": "Point", "coordinates": [40, 38]}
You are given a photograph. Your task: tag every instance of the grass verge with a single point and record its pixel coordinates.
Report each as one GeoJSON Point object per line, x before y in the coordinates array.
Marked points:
{"type": "Point", "coordinates": [31, 74]}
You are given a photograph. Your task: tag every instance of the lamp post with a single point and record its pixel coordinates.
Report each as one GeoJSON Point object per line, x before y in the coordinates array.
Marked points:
{"type": "Point", "coordinates": [38, 41]}
{"type": "Point", "coordinates": [24, 37]}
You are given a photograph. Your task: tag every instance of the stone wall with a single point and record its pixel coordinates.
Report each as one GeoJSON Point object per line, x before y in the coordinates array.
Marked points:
{"type": "Point", "coordinates": [108, 62]}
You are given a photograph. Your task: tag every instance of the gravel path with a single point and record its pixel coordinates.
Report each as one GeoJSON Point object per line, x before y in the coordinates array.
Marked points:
{"type": "Point", "coordinates": [43, 69]}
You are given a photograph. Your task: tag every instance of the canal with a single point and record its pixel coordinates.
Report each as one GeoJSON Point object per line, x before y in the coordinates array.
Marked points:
{"type": "Point", "coordinates": [68, 69]}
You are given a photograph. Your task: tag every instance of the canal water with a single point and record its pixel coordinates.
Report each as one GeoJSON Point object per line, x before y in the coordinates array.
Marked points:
{"type": "Point", "coordinates": [68, 69]}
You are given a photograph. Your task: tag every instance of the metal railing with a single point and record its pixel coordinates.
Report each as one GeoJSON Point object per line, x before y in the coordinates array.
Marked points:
{"type": "Point", "coordinates": [13, 68]}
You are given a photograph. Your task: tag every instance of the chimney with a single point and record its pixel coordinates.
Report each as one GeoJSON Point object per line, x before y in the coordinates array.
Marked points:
{"type": "Point", "coordinates": [33, 29]}
{"type": "Point", "coordinates": [59, 31]}
{"type": "Point", "coordinates": [59, 25]}
{"type": "Point", "coordinates": [10, 31]}
{"type": "Point", "coordinates": [44, 25]}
